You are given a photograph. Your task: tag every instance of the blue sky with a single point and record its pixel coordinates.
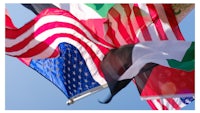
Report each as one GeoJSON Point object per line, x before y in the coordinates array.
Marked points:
{"type": "Point", "coordinates": [26, 89]}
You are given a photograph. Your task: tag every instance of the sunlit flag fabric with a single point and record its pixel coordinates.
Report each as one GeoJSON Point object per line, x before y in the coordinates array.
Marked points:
{"type": "Point", "coordinates": [123, 64]}
{"type": "Point", "coordinates": [68, 72]}
{"type": "Point", "coordinates": [92, 15]}
{"type": "Point", "coordinates": [116, 37]}
{"type": "Point", "coordinates": [123, 10]}
{"type": "Point", "coordinates": [149, 22]}
{"type": "Point", "coordinates": [170, 103]}
{"type": "Point", "coordinates": [65, 50]}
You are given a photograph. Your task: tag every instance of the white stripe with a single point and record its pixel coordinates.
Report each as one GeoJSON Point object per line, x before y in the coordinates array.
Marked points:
{"type": "Point", "coordinates": [157, 104]}
{"type": "Point", "coordinates": [49, 19]}
{"type": "Point", "coordinates": [11, 42]}
{"type": "Point", "coordinates": [135, 25]}
{"type": "Point", "coordinates": [153, 32]}
{"type": "Point", "coordinates": [114, 26]}
{"type": "Point", "coordinates": [107, 38]}
{"type": "Point", "coordinates": [44, 35]}
{"type": "Point", "coordinates": [140, 36]}
{"type": "Point", "coordinates": [165, 23]}
{"type": "Point", "coordinates": [151, 26]}
{"type": "Point", "coordinates": [88, 59]}
{"type": "Point", "coordinates": [167, 104]}
{"type": "Point", "coordinates": [179, 102]}
{"type": "Point", "coordinates": [124, 19]}
{"type": "Point", "coordinates": [148, 22]}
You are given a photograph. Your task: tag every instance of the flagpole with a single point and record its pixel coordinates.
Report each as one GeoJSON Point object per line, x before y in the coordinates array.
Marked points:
{"type": "Point", "coordinates": [85, 94]}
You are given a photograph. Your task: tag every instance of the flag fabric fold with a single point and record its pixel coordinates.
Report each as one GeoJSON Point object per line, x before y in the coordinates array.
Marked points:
{"type": "Point", "coordinates": [161, 53]}
{"type": "Point", "coordinates": [119, 70]}
{"type": "Point", "coordinates": [133, 23]}
{"type": "Point", "coordinates": [74, 68]}
{"type": "Point", "coordinates": [144, 22]}
{"type": "Point", "coordinates": [20, 43]}
{"type": "Point", "coordinates": [110, 26]}
{"type": "Point", "coordinates": [170, 103]}
{"type": "Point", "coordinates": [177, 84]}
{"type": "Point", "coordinates": [70, 71]}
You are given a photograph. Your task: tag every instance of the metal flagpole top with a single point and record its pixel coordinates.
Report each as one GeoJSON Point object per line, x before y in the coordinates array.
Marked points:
{"type": "Point", "coordinates": [70, 101]}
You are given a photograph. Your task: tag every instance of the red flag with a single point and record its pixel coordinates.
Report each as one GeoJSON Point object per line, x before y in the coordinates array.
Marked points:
{"type": "Point", "coordinates": [145, 22]}
{"type": "Point", "coordinates": [173, 84]}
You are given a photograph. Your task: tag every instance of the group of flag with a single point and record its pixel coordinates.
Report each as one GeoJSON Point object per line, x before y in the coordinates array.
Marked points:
{"type": "Point", "coordinates": [82, 47]}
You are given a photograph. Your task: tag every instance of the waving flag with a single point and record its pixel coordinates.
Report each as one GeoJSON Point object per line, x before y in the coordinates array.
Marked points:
{"type": "Point", "coordinates": [67, 47]}
{"type": "Point", "coordinates": [150, 22]}
{"type": "Point", "coordinates": [123, 64]}
{"type": "Point", "coordinates": [50, 23]}
{"type": "Point", "coordinates": [9, 23]}
{"type": "Point", "coordinates": [174, 54]}
{"type": "Point", "coordinates": [141, 22]}
{"type": "Point", "coordinates": [125, 11]}
{"type": "Point", "coordinates": [92, 15]}
{"type": "Point", "coordinates": [170, 103]}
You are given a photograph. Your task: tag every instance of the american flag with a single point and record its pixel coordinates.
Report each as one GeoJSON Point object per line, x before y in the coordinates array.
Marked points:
{"type": "Point", "coordinates": [63, 48]}
{"type": "Point", "coordinates": [133, 23]}
{"type": "Point", "coordinates": [145, 21]}
{"type": "Point", "coordinates": [142, 22]}
{"type": "Point", "coordinates": [50, 24]}
{"type": "Point", "coordinates": [69, 71]}
{"type": "Point", "coordinates": [170, 103]}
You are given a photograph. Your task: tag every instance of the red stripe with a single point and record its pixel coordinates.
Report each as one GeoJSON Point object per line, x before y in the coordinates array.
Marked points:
{"type": "Point", "coordinates": [121, 28]}
{"type": "Point", "coordinates": [141, 23]}
{"type": "Point", "coordinates": [47, 26]}
{"type": "Point", "coordinates": [9, 23]}
{"type": "Point", "coordinates": [40, 30]}
{"type": "Point", "coordinates": [56, 36]}
{"type": "Point", "coordinates": [173, 103]}
{"type": "Point", "coordinates": [48, 12]}
{"type": "Point", "coordinates": [20, 45]}
{"type": "Point", "coordinates": [39, 48]}
{"type": "Point", "coordinates": [93, 55]}
{"type": "Point", "coordinates": [25, 60]}
{"type": "Point", "coordinates": [111, 34]}
{"type": "Point", "coordinates": [163, 36]}
{"type": "Point", "coordinates": [172, 21]}
{"type": "Point", "coordinates": [55, 53]}
{"type": "Point", "coordinates": [152, 105]}
{"type": "Point", "coordinates": [45, 44]}
{"type": "Point", "coordinates": [161, 103]}
{"type": "Point", "coordinates": [128, 11]}
{"type": "Point", "coordinates": [95, 36]}
{"type": "Point", "coordinates": [157, 22]}
{"type": "Point", "coordinates": [14, 33]}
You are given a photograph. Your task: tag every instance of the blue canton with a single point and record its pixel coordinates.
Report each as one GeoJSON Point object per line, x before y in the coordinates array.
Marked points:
{"type": "Point", "coordinates": [68, 72]}
{"type": "Point", "coordinates": [187, 100]}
